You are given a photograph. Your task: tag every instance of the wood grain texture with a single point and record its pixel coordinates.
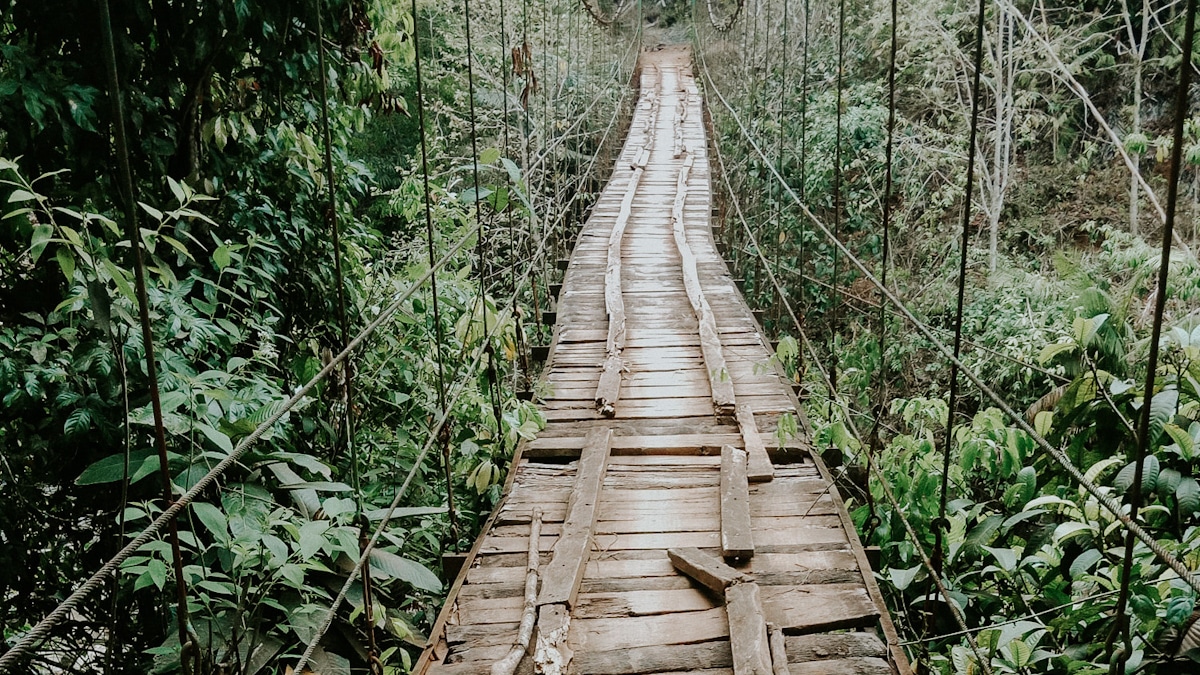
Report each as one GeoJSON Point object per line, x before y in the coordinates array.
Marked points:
{"type": "Point", "coordinates": [737, 535]}
{"type": "Point", "coordinates": [760, 469]}
{"type": "Point", "coordinates": [710, 571]}
{"type": "Point", "coordinates": [747, 630]}
{"type": "Point", "coordinates": [560, 579]}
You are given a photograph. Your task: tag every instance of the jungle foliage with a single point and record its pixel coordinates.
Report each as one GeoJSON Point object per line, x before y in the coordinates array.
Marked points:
{"type": "Point", "coordinates": [224, 110]}
{"type": "Point", "coordinates": [1057, 316]}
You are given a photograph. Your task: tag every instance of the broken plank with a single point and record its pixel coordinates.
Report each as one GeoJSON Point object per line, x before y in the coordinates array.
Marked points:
{"type": "Point", "coordinates": [759, 469]}
{"type": "Point", "coordinates": [747, 630]}
{"type": "Point", "coordinates": [707, 569]}
{"type": "Point", "coordinates": [737, 539]}
{"type": "Point", "coordinates": [560, 580]}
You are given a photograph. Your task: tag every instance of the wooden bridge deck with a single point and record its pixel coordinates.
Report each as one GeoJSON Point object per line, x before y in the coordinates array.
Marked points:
{"type": "Point", "coordinates": [617, 494]}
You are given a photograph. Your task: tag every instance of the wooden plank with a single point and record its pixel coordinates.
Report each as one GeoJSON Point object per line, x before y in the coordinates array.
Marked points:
{"type": "Point", "coordinates": [553, 654]}
{"type": "Point", "coordinates": [716, 654]}
{"type": "Point", "coordinates": [508, 664]}
{"type": "Point", "coordinates": [779, 658]}
{"type": "Point", "coordinates": [595, 635]}
{"type": "Point", "coordinates": [802, 610]}
{"type": "Point", "coordinates": [609, 388]}
{"type": "Point", "coordinates": [560, 580]}
{"type": "Point", "coordinates": [747, 630]}
{"type": "Point", "coordinates": [737, 540]}
{"type": "Point", "coordinates": [760, 469]}
{"type": "Point", "coordinates": [709, 570]}
{"type": "Point", "coordinates": [710, 342]}
{"type": "Point", "coordinates": [854, 666]}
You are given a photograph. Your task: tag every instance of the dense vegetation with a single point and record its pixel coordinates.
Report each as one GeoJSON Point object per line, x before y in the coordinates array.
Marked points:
{"type": "Point", "coordinates": [224, 107]}
{"type": "Point", "coordinates": [1058, 311]}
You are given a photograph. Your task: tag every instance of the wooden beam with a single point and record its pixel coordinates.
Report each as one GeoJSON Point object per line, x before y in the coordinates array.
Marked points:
{"type": "Point", "coordinates": [779, 660]}
{"type": "Point", "coordinates": [709, 570]}
{"type": "Point", "coordinates": [747, 630]}
{"type": "Point", "coordinates": [608, 390]}
{"type": "Point", "coordinates": [560, 580]}
{"type": "Point", "coordinates": [553, 655]}
{"type": "Point", "coordinates": [760, 468]}
{"type": "Point", "coordinates": [737, 540]}
{"type": "Point", "coordinates": [508, 664]}
{"type": "Point", "coordinates": [719, 379]}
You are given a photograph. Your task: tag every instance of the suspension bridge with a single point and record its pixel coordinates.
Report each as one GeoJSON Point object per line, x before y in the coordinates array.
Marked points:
{"type": "Point", "coordinates": [673, 516]}
{"type": "Point", "coordinates": [658, 524]}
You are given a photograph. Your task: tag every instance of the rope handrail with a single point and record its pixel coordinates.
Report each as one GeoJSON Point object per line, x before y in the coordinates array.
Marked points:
{"type": "Point", "coordinates": [1109, 504]}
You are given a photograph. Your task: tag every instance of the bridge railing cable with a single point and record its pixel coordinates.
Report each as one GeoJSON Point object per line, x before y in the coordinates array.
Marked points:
{"type": "Point", "coordinates": [1102, 497]}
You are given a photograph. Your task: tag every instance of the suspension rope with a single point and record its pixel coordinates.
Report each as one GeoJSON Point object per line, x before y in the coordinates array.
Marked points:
{"type": "Point", "coordinates": [605, 21]}
{"type": "Point", "coordinates": [1058, 455]}
{"type": "Point", "coordinates": [1117, 660]}
{"type": "Point", "coordinates": [137, 255]}
{"type": "Point", "coordinates": [480, 251]}
{"type": "Point", "coordinates": [437, 315]}
{"type": "Point", "coordinates": [347, 384]}
{"type": "Point", "coordinates": [941, 525]}
{"type": "Point", "coordinates": [874, 444]}
{"type": "Point", "coordinates": [723, 24]}
{"type": "Point", "coordinates": [833, 350]}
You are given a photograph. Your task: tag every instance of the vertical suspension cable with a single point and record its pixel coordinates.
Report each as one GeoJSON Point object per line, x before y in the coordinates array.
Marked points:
{"type": "Point", "coordinates": [489, 351]}
{"type": "Point", "coordinates": [837, 206]}
{"type": "Point", "coordinates": [1117, 659]}
{"type": "Point", "coordinates": [940, 525]}
{"type": "Point", "coordinates": [783, 71]}
{"type": "Point", "coordinates": [332, 222]}
{"type": "Point", "coordinates": [803, 160]}
{"type": "Point", "coordinates": [873, 442]}
{"type": "Point", "coordinates": [137, 255]}
{"type": "Point", "coordinates": [437, 314]}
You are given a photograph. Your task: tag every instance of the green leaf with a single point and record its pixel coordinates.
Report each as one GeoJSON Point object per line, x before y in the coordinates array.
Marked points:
{"type": "Point", "coordinates": [1027, 478]}
{"type": "Point", "coordinates": [21, 196]}
{"type": "Point", "coordinates": [903, 578]}
{"type": "Point", "coordinates": [405, 512]}
{"type": "Point", "coordinates": [1084, 562]}
{"type": "Point", "coordinates": [1043, 422]}
{"type": "Point", "coordinates": [218, 439]}
{"type": "Point", "coordinates": [1187, 445]}
{"type": "Point", "coordinates": [1188, 496]}
{"type": "Point", "coordinates": [118, 276]}
{"type": "Point", "coordinates": [489, 156]}
{"type": "Point", "coordinates": [411, 572]}
{"type": "Point", "coordinates": [1006, 558]}
{"type": "Point", "coordinates": [982, 533]}
{"type": "Point", "coordinates": [312, 538]}
{"type": "Point", "coordinates": [321, 486]}
{"type": "Point", "coordinates": [1052, 350]}
{"type": "Point", "coordinates": [1162, 409]}
{"type": "Point", "coordinates": [221, 257]}
{"type": "Point", "coordinates": [111, 468]}
{"type": "Point", "coordinates": [1021, 653]}
{"type": "Point", "coordinates": [213, 520]}
{"type": "Point", "coordinates": [157, 571]}
{"type": "Point", "coordinates": [42, 234]}
{"type": "Point", "coordinates": [1150, 469]}
{"type": "Point", "coordinates": [154, 213]}
{"type": "Point", "coordinates": [66, 262]}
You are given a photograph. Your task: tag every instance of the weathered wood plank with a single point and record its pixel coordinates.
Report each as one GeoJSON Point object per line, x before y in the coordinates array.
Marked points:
{"type": "Point", "coordinates": [707, 569]}
{"type": "Point", "coordinates": [760, 469]}
{"type": "Point", "coordinates": [779, 658]}
{"type": "Point", "coordinates": [747, 630]}
{"type": "Point", "coordinates": [737, 539]}
{"type": "Point", "coordinates": [560, 580]}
